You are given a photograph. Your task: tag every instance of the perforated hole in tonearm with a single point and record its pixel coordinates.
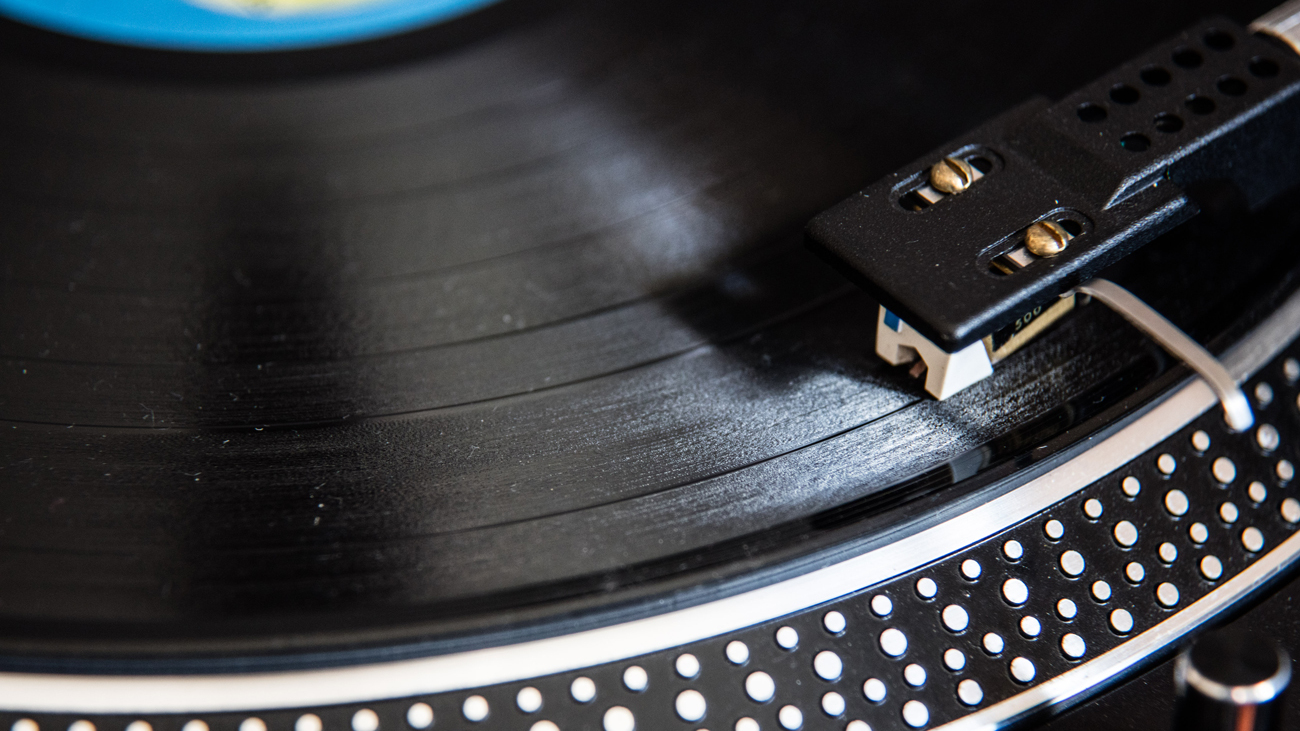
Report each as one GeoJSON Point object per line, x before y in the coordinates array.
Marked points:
{"type": "Point", "coordinates": [1155, 76]}
{"type": "Point", "coordinates": [1091, 113]}
{"type": "Point", "coordinates": [1124, 94]}
{"type": "Point", "coordinates": [1199, 104]}
{"type": "Point", "coordinates": [1135, 142]}
{"type": "Point", "coordinates": [1231, 86]}
{"type": "Point", "coordinates": [1263, 68]}
{"type": "Point", "coordinates": [1168, 123]}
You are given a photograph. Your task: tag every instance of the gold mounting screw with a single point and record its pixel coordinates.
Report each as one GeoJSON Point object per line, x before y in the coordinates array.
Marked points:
{"type": "Point", "coordinates": [951, 176]}
{"type": "Point", "coordinates": [1046, 239]}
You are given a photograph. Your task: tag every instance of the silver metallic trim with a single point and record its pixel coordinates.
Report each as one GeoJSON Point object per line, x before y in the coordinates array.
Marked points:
{"type": "Point", "coordinates": [1236, 408]}
{"type": "Point", "coordinates": [1238, 695]}
{"type": "Point", "coordinates": [1282, 22]}
{"type": "Point", "coordinates": [364, 683]}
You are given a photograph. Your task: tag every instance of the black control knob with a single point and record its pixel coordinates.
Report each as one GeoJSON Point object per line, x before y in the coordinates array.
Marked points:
{"type": "Point", "coordinates": [1229, 681]}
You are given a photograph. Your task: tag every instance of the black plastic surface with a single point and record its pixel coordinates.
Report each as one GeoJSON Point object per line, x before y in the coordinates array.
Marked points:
{"type": "Point", "coordinates": [1121, 158]}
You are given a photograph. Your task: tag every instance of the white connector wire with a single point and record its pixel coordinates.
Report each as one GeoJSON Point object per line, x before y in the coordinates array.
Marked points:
{"type": "Point", "coordinates": [1236, 407]}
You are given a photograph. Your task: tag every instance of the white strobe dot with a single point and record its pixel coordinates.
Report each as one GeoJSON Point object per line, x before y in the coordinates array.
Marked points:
{"type": "Point", "coordinates": [1263, 393]}
{"type": "Point", "coordinates": [760, 687]}
{"type": "Point", "coordinates": [1092, 508]}
{"type": "Point", "coordinates": [312, 722]}
{"type": "Point", "coordinates": [994, 644]}
{"type": "Point", "coordinates": [1131, 486]}
{"type": "Point", "coordinates": [529, 699]}
{"type": "Point", "coordinates": [1198, 532]}
{"type": "Point", "coordinates": [1015, 592]}
{"type": "Point", "coordinates": [1166, 464]}
{"type": "Point", "coordinates": [475, 708]}
{"type": "Point", "coordinates": [1126, 534]}
{"type": "Point", "coordinates": [195, 725]}
{"type": "Point", "coordinates": [1054, 530]}
{"type": "Point", "coordinates": [1228, 512]}
{"type": "Point", "coordinates": [954, 659]}
{"type": "Point", "coordinates": [1212, 568]}
{"type": "Point", "coordinates": [583, 690]}
{"type": "Point", "coordinates": [834, 622]}
{"type": "Point", "coordinates": [874, 690]}
{"type": "Point", "coordinates": [1176, 503]}
{"type": "Point", "coordinates": [971, 569]}
{"type": "Point", "coordinates": [926, 588]}
{"type": "Point", "coordinates": [828, 665]}
{"type": "Point", "coordinates": [881, 605]}
{"type": "Point", "coordinates": [737, 652]}
{"type": "Point", "coordinates": [1167, 594]}
{"type": "Point", "coordinates": [1066, 609]}
{"type": "Point", "coordinates": [1257, 492]}
{"type": "Point", "coordinates": [1252, 539]}
{"type": "Point", "coordinates": [790, 718]}
{"type": "Point", "coordinates": [970, 693]}
{"type": "Point", "coordinates": [1072, 563]}
{"type": "Point", "coordinates": [619, 718]}
{"type": "Point", "coordinates": [1101, 591]}
{"type": "Point", "coordinates": [1285, 470]}
{"type": "Point", "coordinates": [1200, 440]}
{"type": "Point", "coordinates": [1023, 670]}
{"type": "Point", "coordinates": [1267, 437]}
{"type": "Point", "coordinates": [1030, 626]}
{"type": "Point", "coordinates": [856, 725]}
{"type": "Point", "coordinates": [1291, 510]}
{"type": "Point", "coordinates": [367, 720]}
{"type": "Point", "coordinates": [1121, 621]}
{"type": "Point", "coordinates": [833, 704]}
{"type": "Point", "coordinates": [914, 675]}
{"type": "Point", "coordinates": [139, 726]}
{"type": "Point", "coordinates": [1135, 572]}
{"type": "Point", "coordinates": [787, 638]}
{"type": "Point", "coordinates": [915, 714]}
{"type": "Point", "coordinates": [1013, 550]}
{"type": "Point", "coordinates": [251, 723]}
{"type": "Point", "coordinates": [893, 642]}
{"type": "Point", "coordinates": [1167, 552]}
{"type": "Point", "coordinates": [544, 725]}
{"type": "Point", "coordinates": [418, 716]}
{"type": "Point", "coordinates": [635, 678]}
{"type": "Point", "coordinates": [1224, 470]}
{"type": "Point", "coordinates": [690, 705]}
{"type": "Point", "coordinates": [687, 665]}
{"type": "Point", "coordinates": [1073, 646]}
{"type": "Point", "coordinates": [1291, 369]}
{"type": "Point", "coordinates": [27, 724]}
{"type": "Point", "coordinates": [745, 723]}
{"type": "Point", "coordinates": [955, 618]}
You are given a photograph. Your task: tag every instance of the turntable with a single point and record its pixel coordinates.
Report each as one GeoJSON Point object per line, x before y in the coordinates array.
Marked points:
{"type": "Point", "coordinates": [445, 364]}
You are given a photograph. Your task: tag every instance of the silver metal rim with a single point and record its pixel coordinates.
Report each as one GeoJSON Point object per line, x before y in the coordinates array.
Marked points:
{"type": "Point", "coordinates": [58, 693]}
{"type": "Point", "coordinates": [1248, 695]}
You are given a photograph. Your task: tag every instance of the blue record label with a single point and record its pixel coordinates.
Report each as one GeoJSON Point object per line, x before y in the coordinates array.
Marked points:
{"type": "Point", "coordinates": [233, 25]}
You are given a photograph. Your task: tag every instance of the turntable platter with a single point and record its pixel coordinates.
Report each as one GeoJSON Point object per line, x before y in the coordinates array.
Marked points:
{"type": "Point", "coordinates": [501, 328]}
